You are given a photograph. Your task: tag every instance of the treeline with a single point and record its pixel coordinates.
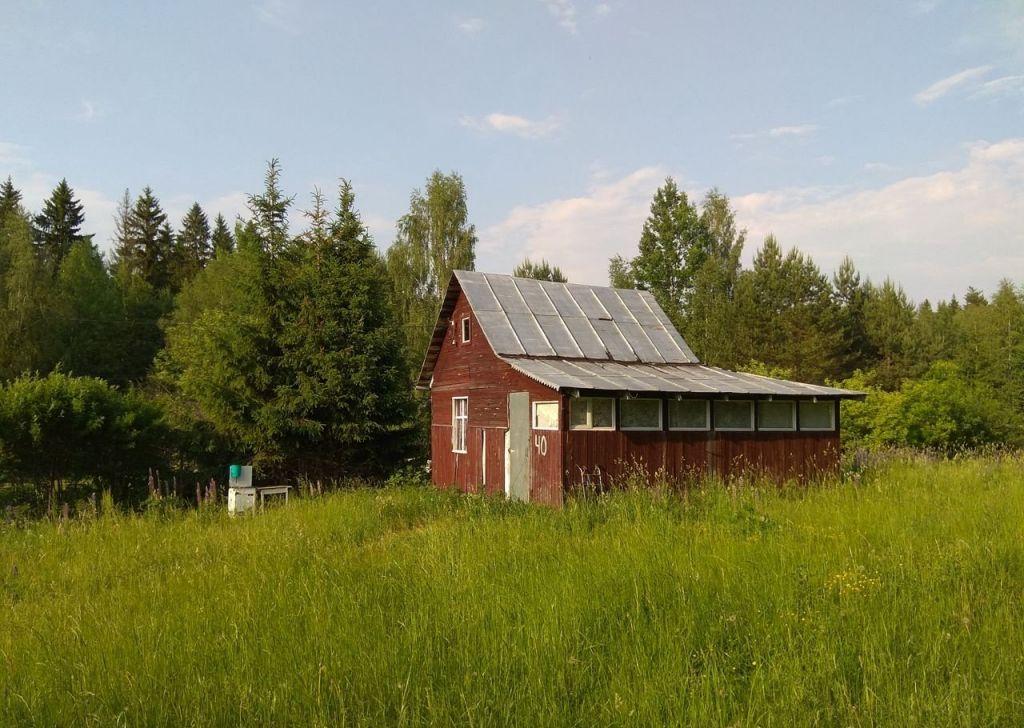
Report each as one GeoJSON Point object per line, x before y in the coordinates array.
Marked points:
{"type": "Point", "coordinates": [944, 375]}
{"type": "Point", "coordinates": [292, 351]}
{"type": "Point", "coordinates": [191, 347]}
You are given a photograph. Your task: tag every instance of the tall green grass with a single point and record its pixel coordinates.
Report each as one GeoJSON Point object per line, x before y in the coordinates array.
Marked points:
{"type": "Point", "coordinates": [897, 600]}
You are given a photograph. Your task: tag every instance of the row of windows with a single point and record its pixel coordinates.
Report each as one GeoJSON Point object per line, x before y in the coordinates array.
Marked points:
{"type": "Point", "coordinates": [599, 413]}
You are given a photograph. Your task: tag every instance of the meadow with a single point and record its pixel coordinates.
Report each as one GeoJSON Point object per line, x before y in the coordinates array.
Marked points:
{"type": "Point", "coordinates": [892, 597]}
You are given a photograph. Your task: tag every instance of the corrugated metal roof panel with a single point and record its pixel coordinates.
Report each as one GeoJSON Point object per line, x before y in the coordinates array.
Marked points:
{"type": "Point", "coordinates": [599, 323]}
{"type": "Point", "coordinates": [692, 379]}
{"type": "Point", "coordinates": [530, 334]}
{"type": "Point", "coordinates": [499, 333]}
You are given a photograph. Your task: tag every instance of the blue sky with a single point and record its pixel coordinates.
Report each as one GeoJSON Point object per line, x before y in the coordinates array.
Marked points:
{"type": "Point", "coordinates": [892, 132]}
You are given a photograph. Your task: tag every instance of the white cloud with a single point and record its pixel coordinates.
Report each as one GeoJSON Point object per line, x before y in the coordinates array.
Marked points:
{"type": "Point", "coordinates": [1006, 85]}
{"type": "Point", "coordinates": [778, 132]}
{"type": "Point", "coordinates": [280, 14]}
{"type": "Point", "coordinates": [878, 167]}
{"type": "Point", "coordinates": [924, 7]}
{"type": "Point", "coordinates": [840, 101]}
{"type": "Point", "coordinates": [470, 26]}
{"type": "Point", "coordinates": [950, 83]}
{"type": "Point", "coordinates": [564, 11]}
{"type": "Point", "coordinates": [602, 9]}
{"type": "Point", "coordinates": [935, 233]}
{"type": "Point", "coordinates": [518, 126]}
{"type": "Point", "coordinates": [89, 111]}
{"type": "Point", "coordinates": [579, 234]}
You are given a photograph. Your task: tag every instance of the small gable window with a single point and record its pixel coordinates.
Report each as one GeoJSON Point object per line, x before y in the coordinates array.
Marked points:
{"type": "Point", "coordinates": [465, 329]}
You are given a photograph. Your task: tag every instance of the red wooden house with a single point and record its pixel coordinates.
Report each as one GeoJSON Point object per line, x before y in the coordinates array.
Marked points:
{"type": "Point", "coordinates": [539, 387]}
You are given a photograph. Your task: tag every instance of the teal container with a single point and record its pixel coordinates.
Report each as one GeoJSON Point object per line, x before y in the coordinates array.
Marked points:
{"type": "Point", "coordinates": [235, 471]}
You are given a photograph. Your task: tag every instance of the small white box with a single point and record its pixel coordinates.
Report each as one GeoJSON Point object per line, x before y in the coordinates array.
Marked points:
{"type": "Point", "coordinates": [241, 500]}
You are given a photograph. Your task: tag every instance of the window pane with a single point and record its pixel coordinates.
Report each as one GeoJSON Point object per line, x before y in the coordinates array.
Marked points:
{"type": "Point", "coordinates": [776, 416]}
{"type": "Point", "coordinates": [640, 413]}
{"type": "Point", "coordinates": [733, 415]}
{"type": "Point", "coordinates": [578, 412]}
{"type": "Point", "coordinates": [817, 416]}
{"type": "Point", "coordinates": [545, 415]}
{"type": "Point", "coordinates": [690, 414]}
{"type": "Point", "coordinates": [602, 413]}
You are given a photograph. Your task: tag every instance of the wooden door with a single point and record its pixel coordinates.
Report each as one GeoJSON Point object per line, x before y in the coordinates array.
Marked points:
{"type": "Point", "coordinates": [517, 455]}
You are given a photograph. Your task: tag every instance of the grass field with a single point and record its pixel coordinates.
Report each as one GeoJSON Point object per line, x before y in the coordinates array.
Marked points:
{"type": "Point", "coordinates": [897, 599]}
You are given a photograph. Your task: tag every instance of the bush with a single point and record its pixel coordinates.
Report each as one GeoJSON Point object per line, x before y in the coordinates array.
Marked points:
{"type": "Point", "coordinates": [61, 429]}
{"type": "Point", "coordinates": [943, 410]}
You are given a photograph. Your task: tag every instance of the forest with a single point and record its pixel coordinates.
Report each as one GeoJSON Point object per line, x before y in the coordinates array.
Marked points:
{"type": "Point", "coordinates": [288, 339]}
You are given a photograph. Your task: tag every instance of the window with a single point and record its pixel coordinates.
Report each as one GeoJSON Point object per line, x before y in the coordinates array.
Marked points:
{"type": "Point", "coordinates": [776, 415]}
{"type": "Point", "coordinates": [817, 415]}
{"type": "Point", "coordinates": [734, 415]}
{"type": "Point", "coordinates": [592, 413]}
{"type": "Point", "coordinates": [545, 415]}
{"type": "Point", "coordinates": [689, 414]}
{"type": "Point", "coordinates": [460, 417]}
{"type": "Point", "coordinates": [465, 329]}
{"type": "Point", "coordinates": [640, 414]}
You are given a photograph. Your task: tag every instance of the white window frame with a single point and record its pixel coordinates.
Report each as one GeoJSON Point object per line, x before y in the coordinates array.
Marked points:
{"type": "Point", "coordinates": [707, 416]}
{"type": "Point", "coordinates": [661, 415]}
{"type": "Point", "coordinates": [753, 415]}
{"type": "Point", "coordinates": [832, 420]}
{"type": "Point", "coordinates": [590, 414]}
{"type": "Point", "coordinates": [460, 423]}
{"type": "Point", "coordinates": [464, 328]}
{"type": "Point", "coordinates": [792, 419]}
{"type": "Point", "coordinates": [558, 416]}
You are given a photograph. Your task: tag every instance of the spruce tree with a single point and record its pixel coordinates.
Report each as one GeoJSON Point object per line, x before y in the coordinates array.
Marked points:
{"type": "Point", "coordinates": [142, 246]}
{"type": "Point", "coordinates": [58, 226]}
{"type": "Point", "coordinates": [192, 249]}
{"type": "Point", "coordinates": [10, 199]}
{"type": "Point", "coordinates": [222, 241]}
{"type": "Point", "coordinates": [348, 387]}
{"type": "Point", "coordinates": [89, 318]}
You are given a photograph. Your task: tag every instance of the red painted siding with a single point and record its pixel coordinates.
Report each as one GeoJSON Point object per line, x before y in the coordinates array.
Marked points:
{"type": "Point", "coordinates": [472, 370]}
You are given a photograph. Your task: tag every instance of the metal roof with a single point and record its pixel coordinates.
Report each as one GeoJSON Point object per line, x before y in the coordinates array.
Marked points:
{"type": "Point", "coordinates": [572, 336]}
{"type": "Point", "coordinates": [690, 379]}
{"type": "Point", "coordinates": [524, 317]}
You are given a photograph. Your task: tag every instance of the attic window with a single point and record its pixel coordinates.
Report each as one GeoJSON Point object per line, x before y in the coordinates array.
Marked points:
{"type": "Point", "coordinates": [464, 326]}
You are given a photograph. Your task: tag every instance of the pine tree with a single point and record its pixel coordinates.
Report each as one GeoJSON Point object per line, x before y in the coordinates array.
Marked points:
{"type": "Point", "coordinates": [192, 246]}
{"type": "Point", "coordinates": [58, 226]}
{"type": "Point", "coordinates": [222, 240]}
{"type": "Point", "coordinates": [542, 271]}
{"type": "Point", "coordinates": [142, 246]}
{"type": "Point", "coordinates": [889, 321]}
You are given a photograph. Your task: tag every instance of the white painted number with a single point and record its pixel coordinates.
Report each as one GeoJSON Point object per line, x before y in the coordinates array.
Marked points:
{"type": "Point", "coordinates": [540, 442]}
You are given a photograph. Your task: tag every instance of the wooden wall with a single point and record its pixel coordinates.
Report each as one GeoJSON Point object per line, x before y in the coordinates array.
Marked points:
{"type": "Point", "coordinates": [681, 455]}
{"type": "Point", "coordinates": [472, 370]}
